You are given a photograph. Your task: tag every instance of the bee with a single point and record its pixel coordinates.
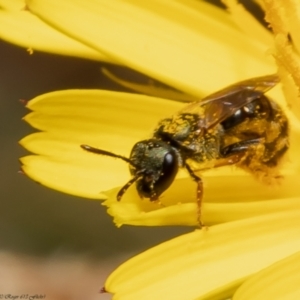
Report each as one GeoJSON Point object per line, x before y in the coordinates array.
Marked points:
{"type": "Point", "coordinates": [237, 125]}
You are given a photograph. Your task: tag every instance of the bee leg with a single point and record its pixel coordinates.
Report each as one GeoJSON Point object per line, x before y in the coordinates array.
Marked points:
{"type": "Point", "coordinates": [199, 193]}
{"type": "Point", "coordinates": [233, 153]}
{"type": "Point", "coordinates": [239, 147]}
{"type": "Point", "coordinates": [127, 185]}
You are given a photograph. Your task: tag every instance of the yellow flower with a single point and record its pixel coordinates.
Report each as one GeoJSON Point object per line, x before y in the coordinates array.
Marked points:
{"type": "Point", "coordinates": [198, 49]}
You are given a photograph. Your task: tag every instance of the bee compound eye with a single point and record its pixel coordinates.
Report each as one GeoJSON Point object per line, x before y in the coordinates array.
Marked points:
{"type": "Point", "coordinates": [168, 173]}
{"type": "Point", "coordinates": [154, 184]}
{"type": "Point", "coordinates": [169, 163]}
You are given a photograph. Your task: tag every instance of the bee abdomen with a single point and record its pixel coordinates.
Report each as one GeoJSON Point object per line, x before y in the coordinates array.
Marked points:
{"type": "Point", "coordinates": [262, 120]}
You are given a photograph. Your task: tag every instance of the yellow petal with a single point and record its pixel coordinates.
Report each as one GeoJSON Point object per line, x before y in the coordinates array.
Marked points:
{"type": "Point", "coordinates": [226, 198]}
{"type": "Point", "coordinates": [248, 23]}
{"type": "Point", "coordinates": [30, 32]}
{"type": "Point", "coordinates": [107, 120]}
{"type": "Point", "coordinates": [208, 264]}
{"type": "Point", "coordinates": [280, 281]}
{"type": "Point", "coordinates": [150, 88]}
{"type": "Point", "coordinates": [188, 44]}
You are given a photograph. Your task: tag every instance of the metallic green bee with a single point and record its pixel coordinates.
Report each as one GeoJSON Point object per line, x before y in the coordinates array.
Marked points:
{"type": "Point", "coordinates": [237, 125]}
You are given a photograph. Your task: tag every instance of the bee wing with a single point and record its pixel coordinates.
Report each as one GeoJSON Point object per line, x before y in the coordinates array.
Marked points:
{"type": "Point", "coordinates": [218, 106]}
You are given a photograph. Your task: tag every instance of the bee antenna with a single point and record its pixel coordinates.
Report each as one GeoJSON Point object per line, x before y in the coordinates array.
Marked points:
{"type": "Point", "coordinates": [107, 153]}
{"type": "Point", "coordinates": [128, 184]}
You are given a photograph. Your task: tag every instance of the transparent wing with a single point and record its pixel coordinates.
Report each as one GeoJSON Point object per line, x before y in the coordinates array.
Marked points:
{"type": "Point", "coordinates": [218, 106]}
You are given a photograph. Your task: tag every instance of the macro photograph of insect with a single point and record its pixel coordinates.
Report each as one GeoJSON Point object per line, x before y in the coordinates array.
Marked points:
{"type": "Point", "coordinates": [237, 125]}
{"type": "Point", "coordinates": [150, 150]}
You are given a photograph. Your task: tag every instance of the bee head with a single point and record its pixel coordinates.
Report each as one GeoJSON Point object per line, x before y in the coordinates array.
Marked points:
{"type": "Point", "coordinates": [155, 163]}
